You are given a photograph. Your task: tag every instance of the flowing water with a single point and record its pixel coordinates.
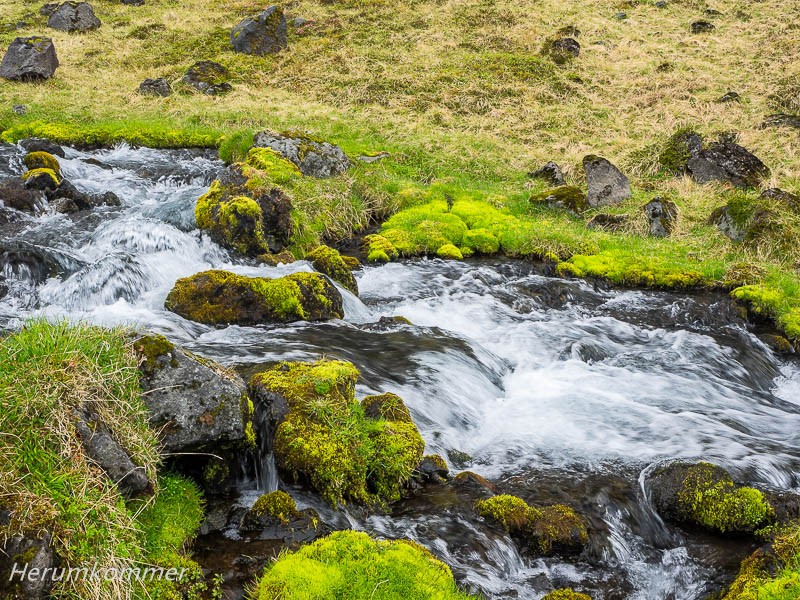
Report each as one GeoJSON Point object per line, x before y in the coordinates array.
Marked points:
{"type": "Point", "coordinates": [555, 390]}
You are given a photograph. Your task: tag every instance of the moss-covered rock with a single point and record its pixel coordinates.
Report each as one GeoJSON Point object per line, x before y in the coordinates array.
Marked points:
{"type": "Point", "coordinates": [449, 252]}
{"type": "Point", "coordinates": [208, 77]}
{"type": "Point", "coordinates": [433, 468]}
{"type": "Point", "coordinates": [328, 261]}
{"type": "Point", "coordinates": [275, 516]}
{"type": "Point", "coordinates": [351, 262]}
{"type": "Point", "coordinates": [542, 531]}
{"type": "Point", "coordinates": [314, 156]}
{"type": "Point", "coordinates": [42, 160]}
{"type": "Point", "coordinates": [705, 495]}
{"type": "Point", "coordinates": [473, 484]}
{"type": "Point", "coordinates": [274, 260]}
{"type": "Point", "coordinates": [566, 594]}
{"type": "Point", "coordinates": [378, 249]}
{"type": "Point", "coordinates": [41, 179]}
{"type": "Point", "coordinates": [679, 148]}
{"type": "Point", "coordinates": [481, 240]}
{"type": "Point", "coordinates": [223, 298]}
{"type": "Point", "coordinates": [322, 434]}
{"type": "Point", "coordinates": [568, 197]}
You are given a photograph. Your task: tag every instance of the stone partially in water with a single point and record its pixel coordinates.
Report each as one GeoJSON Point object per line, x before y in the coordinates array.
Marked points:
{"type": "Point", "coordinates": [223, 298]}
{"type": "Point", "coordinates": [328, 261]}
{"type": "Point", "coordinates": [275, 516]}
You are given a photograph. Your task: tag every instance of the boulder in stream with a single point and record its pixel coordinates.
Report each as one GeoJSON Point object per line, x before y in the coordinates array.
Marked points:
{"type": "Point", "coordinates": [275, 516]}
{"type": "Point", "coordinates": [328, 261]}
{"type": "Point", "coordinates": [224, 298]}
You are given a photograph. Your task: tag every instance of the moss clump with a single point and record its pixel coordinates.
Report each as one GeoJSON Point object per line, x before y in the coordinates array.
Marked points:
{"type": "Point", "coordinates": [42, 160]}
{"type": "Point", "coordinates": [771, 303]}
{"type": "Point", "coordinates": [378, 248]}
{"type": "Point", "coordinates": [278, 505]}
{"type": "Point", "coordinates": [389, 407]}
{"type": "Point", "coordinates": [677, 151]}
{"type": "Point", "coordinates": [566, 594]}
{"type": "Point", "coordinates": [221, 297]}
{"type": "Point", "coordinates": [709, 497]}
{"type": "Point", "coordinates": [50, 178]}
{"type": "Point", "coordinates": [543, 530]}
{"type": "Point", "coordinates": [742, 274]}
{"type": "Point", "coordinates": [481, 240]}
{"type": "Point", "coordinates": [278, 169]}
{"type": "Point", "coordinates": [235, 222]}
{"type": "Point", "coordinates": [449, 252]}
{"type": "Point", "coordinates": [150, 347]}
{"type": "Point", "coordinates": [327, 439]}
{"type": "Point", "coordinates": [567, 197]}
{"type": "Point", "coordinates": [215, 472]}
{"type": "Point", "coordinates": [621, 268]}
{"type": "Point", "coordinates": [349, 565]}
{"type": "Point", "coordinates": [351, 262]}
{"type": "Point", "coordinates": [328, 261]}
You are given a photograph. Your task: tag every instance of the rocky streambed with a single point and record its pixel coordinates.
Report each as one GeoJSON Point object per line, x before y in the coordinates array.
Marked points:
{"type": "Point", "coordinates": [555, 391]}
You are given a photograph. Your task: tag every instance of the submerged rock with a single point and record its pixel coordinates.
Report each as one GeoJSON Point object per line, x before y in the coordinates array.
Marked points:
{"type": "Point", "coordinates": [223, 298]}
{"type": "Point", "coordinates": [15, 194]}
{"type": "Point", "coordinates": [264, 34]}
{"type": "Point", "coordinates": [313, 156]}
{"type": "Point", "coordinates": [328, 261]}
{"type": "Point", "coordinates": [73, 16]}
{"type": "Point", "coordinates": [605, 183]}
{"type": "Point", "coordinates": [208, 77]}
{"type": "Point", "coordinates": [662, 215]}
{"type": "Point", "coordinates": [567, 197]}
{"type": "Point", "coordinates": [551, 173]}
{"type": "Point", "coordinates": [28, 59]}
{"type": "Point", "coordinates": [705, 495]}
{"type": "Point", "coordinates": [196, 404]}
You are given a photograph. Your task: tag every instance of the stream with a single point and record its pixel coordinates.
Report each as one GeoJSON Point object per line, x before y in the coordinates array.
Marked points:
{"type": "Point", "coordinates": [555, 390]}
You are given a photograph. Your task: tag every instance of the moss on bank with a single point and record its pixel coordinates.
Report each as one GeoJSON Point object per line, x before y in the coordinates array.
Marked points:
{"type": "Point", "coordinates": [349, 565]}
{"type": "Point", "coordinates": [345, 449]}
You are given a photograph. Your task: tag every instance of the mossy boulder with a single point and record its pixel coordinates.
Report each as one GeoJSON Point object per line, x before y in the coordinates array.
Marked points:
{"type": "Point", "coordinates": [433, 468]}
{"type": "Point", "coordinates": [481, 240]}
{"type": "Point", "coordinates": [323, 435]}
{"type": "Point", "coordinates": [314, 156]}
{"type": "Point", "coordinates": [328, 261]}
{"type": "Point", "coordinates": [275, 516]}
{"type": "Point", "coordinates": [224, 298]}
{"type": "Point", "coordinates": [541, 531]}
{"type": "Point", "coordinates": [679, 148]}
{"type": "Point", "coordinates": [567, 197]}
{"type": "Point", "coordinates": [566, 594]}
{"type": "Point", "coordinates": [42, 160]}
{"type": "Point", "coordinates": [378, 249]}
{"type": "Point", "coordinates": [45, 180]}
{"type": "Point", "coordinates": [705, 495]}
{"type": "Point", "coordinates": [261, 35]}
{"type": "Point", "coordinates": [662, 216]}
{"type": "Point", "coordinates": [208, 77]}
{"type": "Point", "coordinates": [472, 484]}
{"type": "Point", "coordinates": [449, 252]}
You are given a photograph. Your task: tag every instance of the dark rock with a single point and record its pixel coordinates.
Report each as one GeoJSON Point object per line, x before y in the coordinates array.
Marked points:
{"type": "Point", "coordinates": [73, 16]}
{"type": "Point", "coordinates": [103, 450]}
{"type": "Point", "coordinates": [105, 199]}
{"type": "Point", "coordinates": [313, 156]}
{"type": "Point", "coordinates": [681, 146]}
{"type": "Point", "coordinates": [702, 27]}
{"type": "Point", "coordinates": [712, 12]}
{"type": "Point", "coordinates": [275, 516]}
{"type": "Point", "coordinates": [722, 219]}
{"type": "Point", "coordinates": [564, 49]}
{"type": "Point", "coordinates": [208, 77]}
{"type": "Point", "coordinates": [473, 485]}
{"type": "Point", "coordinates": [155, 87]}
{"type": "Point", "coordinates": [42, 145]}
{"type": "Point", "coordinates": [29, 59]}
{"type": "Point", "coordinates": [68, 191]}
{"type": "Point", "coordinates": [779, 345]}
{"type": "Point", "coordinates": [608, 222]}
{"type": "Point", "coordinates": [42, 181]}
{"type": "Point", "coordinates": [133, 2]}
{"type": "Point", "coordinates": [64, 206]}
{"type": "Point", "coordinates": [36, 553]}
{"type": "Point", "coordinates": [460, 460]}
{"type": "Point", "coordinates": [15, 194]}
{"type": "Point", "coordinates": [789, 200]}
{"type": "Point", "coordinates": [662, 214]}
{"type": "Point", "coordinates": [551, 173]}
{"type": "Point", "coordinates": [264, 34]}
{"type": "Point", "coordinates": [47, 9]}
{"type": "Point", "coordinates": [196, 404]}
{"type": "Point", "coordinates": [660, 4]}
{"type": "Point", "coordinates": [433, 468]}
{"type": "Point", "coordinates": [727, 162]}
{"type": "Point", "coordinates": [19, 109]}
{"type": "Point", "coordinates": [605, 183]}
{"type": "Point", "coordinates": [620, 16]}
{"type": "Point", "coordinates": [781, 120]}
{"type": "Point", "coordinates": [665, 67]}
{"type": "Point", "coordinates": [569, 31]}
{"type": "Point", "coordinates": [729, 97]}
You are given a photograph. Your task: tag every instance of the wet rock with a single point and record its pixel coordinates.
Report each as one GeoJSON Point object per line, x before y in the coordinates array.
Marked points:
{"type": "Point", "coordinates": [15, 194]}
{"type": "Point", "coordinates": [281, 258]}
{"type": "Point", "coordinates": [103, 450]}
{"type": "Point", "coordinates": [105, 199]}
{"type": "Point", "coordinates": [782, 120]}
{"type": "Point", "coordinates": [275, 516]}
{"type": "Point", "coordinates": [729, 162]}
{"type": "Point", "coordinates": [22, 260]}
{"type": "Point", "coordinates": [551, 173]}
{"type": "Point", "coordinates": [42, 160]}
{"type": "Point", "coordinates": [722, 219]}
{"type": "Point", "coordinates": [73, 16]}
{"type": "Point", "coordinates": [566, 197]}
{"type": "Point", "coordinates": [208, 77]}
{"type": "Point", "coordinates": [778, 344]}
{"type": "Point", "coordinates": [563, 50]}
{"type": "Point", "coordinates": [328, 261]}
{"type": "Point", "coordinates": [433, 469]}
{"type": "Point", "coordinates": [608, 222]}
{"type": "Point", "coordinates": [42, 145]}
{"type": "Point", "coordinates": [264, 34]}
{"type": "Point", "coordinates": [662, 215]}
{"type": "Point", "coordinates": [155, 87]}
{"type": "Point", "coordinates": [29, 59]}
{"type": "Point", "coordinates": [196, 404]}
{"type": "Point", "coordinates": [605, 183]}
{"type": "Point", "coordinates": [729, 97]}
{"type": "Point", "coordinates": [470, 483]}
{"type": "Point", "coordinates": [34, 551]}
{"type": "Point", "coordinates": [313, 156]}
{"type": "Point", "coordinates": [222, 298]}
{"type": "Point", "coordinates": [42, 180]}
{"type": "Point", "coordinates": [705, 495]}
{"type": "Point", "coordinates": [66, 190]}
{"type": "Point", "coordinates": [781, 197]}
{"type": "Point", "coordinates": [702, 27]}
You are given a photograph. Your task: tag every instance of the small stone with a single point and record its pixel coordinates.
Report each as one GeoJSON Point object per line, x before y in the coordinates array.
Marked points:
{"type": "Point", "coordinates": [155, 87]}
{"type": "Point", "coordinates": [569, 31]}
{"type": "Point", "coordinates": [133, 2]}
{"type": "Point", "coordinates": [620, 16]}
{"type": "Point", "coordinates": [29, 59]}
{"type": "Point", "coordinates": [665, 67]}
{"type": "Point", "coordinates": [702, 27]}
{"type": "Point", "coordinates": [73, 16]}
{"type": "Point", "coordinates": [298, 22]}
{"type": "Point", "coordinates": [42, 145]}
{"type": "Point", "coordinates": [660, 4]}
{"type": "Point", "coordinates": [551, 173]}
{"type": "Point", "coordinates": [373, 158]}
{"type": "Point", "coordinates": [789, 200]}
{"type": "Point", "coordinates": [605, 183]}
{"type": "Point", "coordinates": [19, 109]}
{"type": "Point", "coordinates": [261, 35]}
{"type": "Point", "coordinates": [208, 77]}
{"type": "Point", "coordinates": [781, 120]}
{"type": "Point", "coordinates": [729, 97]}
{"type": "Point", "coordinates": [564, 49]}
{"type": "Point", "coordinates": [662, 215]}
{"type": "Point", "coordinates": [722, 220]}
{"type": "Point", "coordinates": [712, 12]}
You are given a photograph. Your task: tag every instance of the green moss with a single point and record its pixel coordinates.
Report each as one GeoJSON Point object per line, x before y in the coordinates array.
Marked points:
{"type": "Point", "coordinates": [215, 472]}
{"type": "Point", "coordinates": [278, 169]}
{"type": "Point", "coordinates": [37, 173]}
{"type": "Point", "coordinates": [481, 240]}
{"type": "Point", "coordinates": [279, 505]}
{"type": "Point", "coordinates": [328, 261]}
{"type": "Point", "coordinates": [712, 500]}
{"type": "Point", "coordinates": [349, 565]}
{"type": "Point", "coordinates": [389, 407]}
{"type": "Point", "coordinates": [675, 154]}
{"type": "Point", "coordinates": [566, 594]}
{"type": "Point", "coordinates": [42, 160]}
{"type": "Point", "coordinates": [351, 262]}
{"type": "Point", "coordinates": [772, 302]}
{"type": "Point", "coordinates": [327, 439]}
{"type": "Point", "coordinates": [236, 222]}
{"type": "Point", "coordinates": [509, 511]}
{"type": "Point", "coordinates": [569, 197]}
{"type": "Point", "coordinates": [150, 347]}
{"type": "Point", "coordinates": [449, 251]}
{"type": "Point", "coordinates": [621, 268]}
{"type": "Point", "coordinates": [378, 248]}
